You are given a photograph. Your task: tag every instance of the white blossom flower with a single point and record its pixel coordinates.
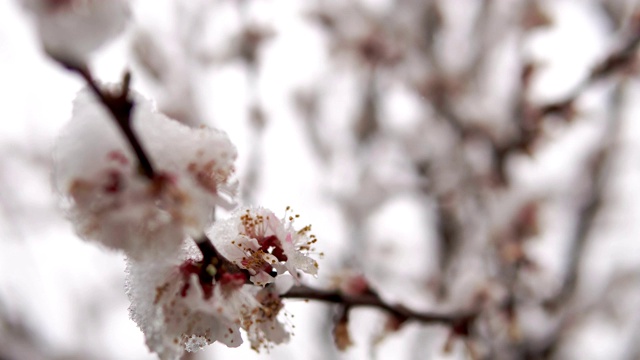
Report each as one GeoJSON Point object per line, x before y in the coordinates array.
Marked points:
{"type": "Point", "coordinates": [261, 243]}
{"type": "Point", "coordinates": [262, 325]}
{"type": "Point", "coordinates": [71, 29]}
{"type": "Point", "coordinates": [176, 312]}
{"type": "Point", "coordinates": [178, 307]}
{"type": "Point", "coordinates": [110, 202]}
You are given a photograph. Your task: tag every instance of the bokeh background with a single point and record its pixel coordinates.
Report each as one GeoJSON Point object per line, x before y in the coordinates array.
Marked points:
{"type": "Point", "coordinates": [460, 154]}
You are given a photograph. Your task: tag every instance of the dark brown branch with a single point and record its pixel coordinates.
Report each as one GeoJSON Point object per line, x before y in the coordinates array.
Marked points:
{"type": "Point", "coordinates": [461, 322]}
{"type": "Point", "coordinates": [565, 297]}
{"type": "Point", "coordinates": [617, 61]}
{"type": "Point", "coordinates": [586, 217]}
{"type": "Point", "coordinates": [531, 119]}
{"type": "Point", "coordinates": [597, 176]}
{"type": "Point", "coordinates": [120, 106]}
{"type": "Point", "coordinates": [211, 256]}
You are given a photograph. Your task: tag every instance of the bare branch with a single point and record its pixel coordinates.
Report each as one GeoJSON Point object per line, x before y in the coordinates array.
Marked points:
{"type": "Point", "coordinates": [616, 61]}
{"type": "Point", "coordinates": [120, 105]}
{"type": "Point", "coordinates": [370, 299]}
{"type": "Point", "coordinates": [598, 174]}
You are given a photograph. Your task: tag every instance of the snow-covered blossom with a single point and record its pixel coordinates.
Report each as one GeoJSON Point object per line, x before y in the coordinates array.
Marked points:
{"type": "Point", "coordinates": [265, 245]}
{"type": "Point", "coordinates": [70, 29]}
{"type": "Point", "coordinates": [176, 312]}
{"type": "Point", "coordinates": [262, 325]}
{"type": "Point", "coordinates": [180, 306]}
{"type": "Point", "coordinates": [110, 201]}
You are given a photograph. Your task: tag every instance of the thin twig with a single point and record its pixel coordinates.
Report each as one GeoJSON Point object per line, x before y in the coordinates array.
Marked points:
{"type": "Point", "coordinates": [598, 175]}
{"type": "Point", "coordinates": [615, 62]}
{"type": "Point", "coordinates": [461, 320]}
{"type": "Point", "coordinates": [121, 107]}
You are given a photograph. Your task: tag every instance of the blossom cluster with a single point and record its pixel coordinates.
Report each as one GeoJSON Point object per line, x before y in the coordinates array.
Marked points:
{"type": "Point", "coordinates": [144, 184]}
{"type": "Point", "coordinates": [184, 302]}
{"type": "Point", "coordinates": [181, 297]}
{"type": "Point", "coordinates": [178, 309]}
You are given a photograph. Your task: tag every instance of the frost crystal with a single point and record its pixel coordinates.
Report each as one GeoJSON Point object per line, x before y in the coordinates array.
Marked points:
{"type": "Point", "coordinates": [179, 309]}
{"type": "Point", "coordinates": [71, 29]}
{"type": "Point", "coordinates": [109, 201]}
{"type": "Point", "coordinates": [261, 243]}
{"type": "Point", "coordinates": [176, 312]}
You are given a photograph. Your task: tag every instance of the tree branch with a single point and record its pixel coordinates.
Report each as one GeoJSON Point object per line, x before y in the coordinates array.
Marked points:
{"type": "Point", "coordinates": [120, 106]}
{"type": "Point", "coordinates": [616, 61]}
{"type": "Point", "coordinates": [460, 322]}
{"type": "Point", "coordinates": [597, 175]}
